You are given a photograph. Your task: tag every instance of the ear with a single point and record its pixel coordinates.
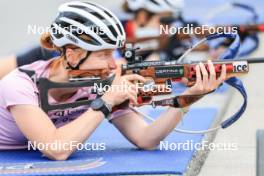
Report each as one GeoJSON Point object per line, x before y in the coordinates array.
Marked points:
{"type": "Point", "coordinates": [71, 56]}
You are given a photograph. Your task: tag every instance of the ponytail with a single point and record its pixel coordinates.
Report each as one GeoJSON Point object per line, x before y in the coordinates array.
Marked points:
{"type": "Point", "coordinates": [46, 42]}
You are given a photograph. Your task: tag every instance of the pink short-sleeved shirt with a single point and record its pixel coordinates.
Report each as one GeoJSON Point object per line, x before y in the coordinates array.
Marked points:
{"type": "Point", "coordinates": [17, 88]}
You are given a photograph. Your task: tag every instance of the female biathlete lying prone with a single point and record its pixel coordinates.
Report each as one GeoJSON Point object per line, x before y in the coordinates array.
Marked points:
{"type": "Point", "coordinates": [22, 119]}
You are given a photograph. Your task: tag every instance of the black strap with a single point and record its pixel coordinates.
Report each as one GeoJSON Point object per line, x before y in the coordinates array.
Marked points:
{"type": "Point", "coordinates": [44, 85]}
{"type": "Point", "coordinates": [77, 67]}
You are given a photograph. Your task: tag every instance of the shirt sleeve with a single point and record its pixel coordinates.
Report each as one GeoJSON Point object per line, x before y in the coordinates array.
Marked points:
{"type": "Point", "coordinates": [18, 89]}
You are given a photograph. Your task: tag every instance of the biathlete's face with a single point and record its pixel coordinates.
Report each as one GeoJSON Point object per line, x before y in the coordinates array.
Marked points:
{"type": "Point", "coordinates": [147, 19]}
{"type": "Point", "coordinates": [102, 59]}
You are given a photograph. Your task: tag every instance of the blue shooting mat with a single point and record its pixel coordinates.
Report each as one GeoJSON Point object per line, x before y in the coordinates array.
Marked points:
{"type": "Point", "coordinates": [117, 156]}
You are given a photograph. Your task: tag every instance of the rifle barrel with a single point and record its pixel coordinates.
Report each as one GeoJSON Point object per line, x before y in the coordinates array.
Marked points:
{"type": "Point", "coordinates": [255, 60]}
{"type": "Point", "coordinates": [171, 63]}
{"type": "Point", "coordinates": [248, 60]}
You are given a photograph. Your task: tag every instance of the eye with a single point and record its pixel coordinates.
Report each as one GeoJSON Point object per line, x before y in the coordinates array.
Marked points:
{"type": "Point", "coordinates": [110, 54]}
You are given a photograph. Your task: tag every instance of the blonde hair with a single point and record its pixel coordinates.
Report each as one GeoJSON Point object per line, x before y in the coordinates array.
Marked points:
{"type": "Point", "coordinates": [46, 42]}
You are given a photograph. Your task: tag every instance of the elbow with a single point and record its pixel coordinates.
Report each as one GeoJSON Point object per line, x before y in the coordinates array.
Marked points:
{"type": "Point", "coordinates": [146, 144]}
{"type": "Point", "coordinates": [57, 155]}
{"type": "Point", "coordinates": [60, 157]}
{"type": "Point", "coordinates": [145, 141]}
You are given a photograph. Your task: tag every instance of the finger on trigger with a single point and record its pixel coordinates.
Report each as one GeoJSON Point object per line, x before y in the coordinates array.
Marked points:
{"type": "Point", "coordinates": [132, 86]}
{"type": "Point", "coordinates": [133, 99]}
{"type": "Point", "coordinates": [133, 91]}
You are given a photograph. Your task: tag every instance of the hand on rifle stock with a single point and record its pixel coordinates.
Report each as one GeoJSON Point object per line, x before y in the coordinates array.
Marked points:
{"type": "Point", "coordinates": [206, 81]}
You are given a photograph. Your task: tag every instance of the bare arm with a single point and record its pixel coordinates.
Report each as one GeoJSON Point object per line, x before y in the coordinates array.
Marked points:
{"type": "Point", "coordinates": [7, 64]}
{"type": "Point", "coordinates": [37, 127]}
{"type": "Point", "coordinates": [144, 135]}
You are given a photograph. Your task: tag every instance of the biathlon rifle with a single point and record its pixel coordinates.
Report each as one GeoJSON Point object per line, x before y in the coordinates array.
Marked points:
{"type": "Point", "coordinates": [161, 74]}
